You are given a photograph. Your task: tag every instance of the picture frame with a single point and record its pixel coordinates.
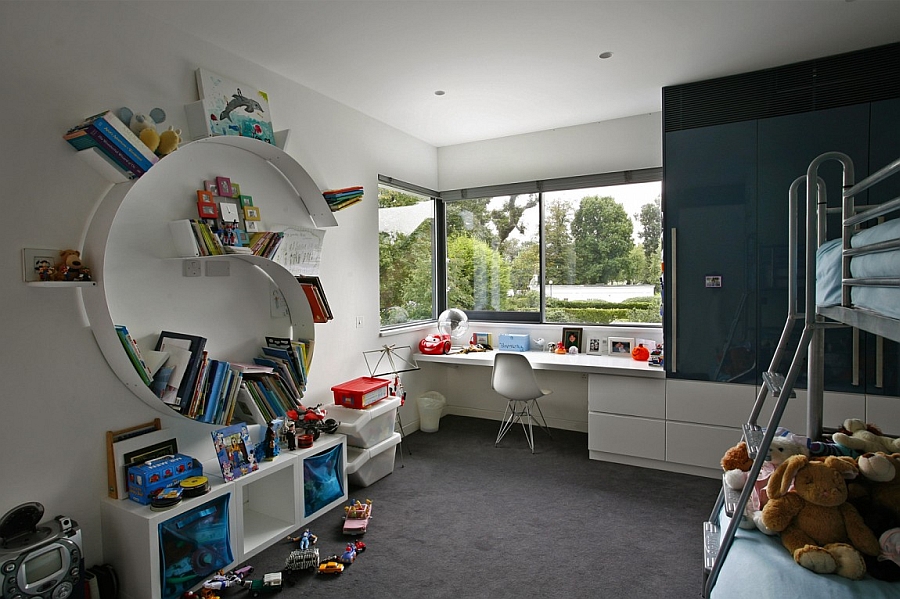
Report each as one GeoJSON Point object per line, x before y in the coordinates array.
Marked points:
{"type": "Point", "coordinates": [251, 226]}
{"type": "Point", "coordinates": [593, 346]}
{"type": "Point", "coordinates": [621, 346]}
{"type": "Point", "coordinates": [34, 260]}
{"type": "Point", "coordinates": [251, 213]}
{"type": "Point", "coordinates": [234, 451]}
{"type": "Point", "coordinates": [571, 337]}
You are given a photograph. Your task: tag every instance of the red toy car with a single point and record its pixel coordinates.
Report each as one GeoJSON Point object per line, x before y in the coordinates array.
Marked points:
{"type": "Point", "coordinates": [435, 345]}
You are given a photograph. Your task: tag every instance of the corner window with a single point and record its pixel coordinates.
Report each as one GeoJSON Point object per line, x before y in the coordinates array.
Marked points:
{"type": "Point", "coordinates": [581, 250]}
{"type": "Point", "coordinates": [405, 256]}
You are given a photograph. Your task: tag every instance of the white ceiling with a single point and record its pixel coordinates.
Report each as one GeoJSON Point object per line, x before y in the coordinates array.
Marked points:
{"type": "Point", "coordinates": [509, 66]}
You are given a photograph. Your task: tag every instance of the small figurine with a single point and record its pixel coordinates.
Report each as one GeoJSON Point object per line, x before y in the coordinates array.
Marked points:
{"type": "Point", "coordinates": [290, 434]}
{"type": "Point", "coordinates": [305, 539]}
{"type": "Point", "coordinates": [45, 270]}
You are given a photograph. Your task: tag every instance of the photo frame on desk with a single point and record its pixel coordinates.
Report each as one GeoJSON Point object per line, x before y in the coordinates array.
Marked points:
{"type": "Point", "coordinates": [593, 346]}
{"type": "Point", "coordinates": [572, 338]}
{"type": "Point", "coordinates": [621, 346]}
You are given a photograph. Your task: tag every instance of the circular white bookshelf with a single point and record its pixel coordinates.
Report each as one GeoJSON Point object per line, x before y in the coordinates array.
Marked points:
{"type": "Point", "coordinates": [236, 302]}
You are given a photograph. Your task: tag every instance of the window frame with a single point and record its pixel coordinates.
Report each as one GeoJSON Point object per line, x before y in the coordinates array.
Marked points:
{"type": "Point", "coordinates": [539, 187]}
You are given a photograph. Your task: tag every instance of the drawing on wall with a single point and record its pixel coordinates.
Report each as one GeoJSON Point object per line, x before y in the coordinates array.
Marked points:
{"type": "Point", "coordinates": [234, 108]}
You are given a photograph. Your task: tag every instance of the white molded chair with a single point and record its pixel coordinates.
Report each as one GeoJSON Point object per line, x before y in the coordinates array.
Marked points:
{"type": "Point", "coordinates": [514, 379]}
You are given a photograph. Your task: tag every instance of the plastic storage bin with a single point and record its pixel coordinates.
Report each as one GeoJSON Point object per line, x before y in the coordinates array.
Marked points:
{"type": "Point", "coordinates": [361, 392]}
{"type": "Point", "coordinates": [365, 466]}
{"type": "Point", "coordinates": [369, 426]}
{"type": "Point", "coordinates": [431, 405]}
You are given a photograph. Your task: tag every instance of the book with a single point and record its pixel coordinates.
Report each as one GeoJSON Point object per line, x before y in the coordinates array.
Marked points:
{"type": "Point", "coordinates": [134, 354]}
{"type": "Point", "coordinates": [168, 378]}
{"type": "Point", "coordinates": [199, 387]}
{"type": "Point", "coordinates": [246, 409]}
{"type": "Point", "coordinates": [217, 370]}
{"type": "Point", "coordinates": [315, 294]}
{"type": "Point", "coordinates": [91, 137]}
{"type": "Point", "coordinates": [122, 136]}
{"type": "Point", "coordinates": [194, 345]}
{"type": "Point", "coordinates": [183, 235]}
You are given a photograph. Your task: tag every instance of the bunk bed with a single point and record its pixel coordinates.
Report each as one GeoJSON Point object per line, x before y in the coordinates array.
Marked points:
{"type": "Point", "coordinates": [850, 280]}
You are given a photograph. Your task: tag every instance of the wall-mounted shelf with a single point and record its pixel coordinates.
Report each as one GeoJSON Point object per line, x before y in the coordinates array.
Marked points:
{"type": "Point", "coordinates": [139, 285]}
{"type": "Point", "coordinates": [59, 284]}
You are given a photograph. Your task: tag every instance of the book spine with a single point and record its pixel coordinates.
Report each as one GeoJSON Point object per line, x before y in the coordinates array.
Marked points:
{"type": "Point", "coordinates": [119, 139]}
{"type": "Point", "coordinates": [317, 309]}
{"type": "Point", "coordinates": [91, 137]}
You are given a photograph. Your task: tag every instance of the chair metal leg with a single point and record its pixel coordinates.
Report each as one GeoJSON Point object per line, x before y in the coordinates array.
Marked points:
{"type": "Point", "coordinates": [520, 413]}
{"type": "Point", "coordinates": [510, 416]}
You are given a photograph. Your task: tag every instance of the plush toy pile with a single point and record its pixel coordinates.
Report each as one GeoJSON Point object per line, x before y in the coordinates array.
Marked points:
{"type": "Point", "coordinates": [835, 504]}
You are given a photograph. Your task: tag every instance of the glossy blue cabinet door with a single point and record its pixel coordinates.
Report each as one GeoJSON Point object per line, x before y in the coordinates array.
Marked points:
{"type": "Point", "coordinates": [709, 205]}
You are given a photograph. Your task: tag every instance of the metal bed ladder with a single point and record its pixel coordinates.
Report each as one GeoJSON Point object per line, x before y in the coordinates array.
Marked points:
{"type": "Point", "coordinates": [810, 346]}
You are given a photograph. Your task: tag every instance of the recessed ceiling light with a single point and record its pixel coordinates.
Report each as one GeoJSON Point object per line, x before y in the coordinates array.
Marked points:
{"type": "Point", "coordinates": [439, 92]}
{"type": "Point", "coordinates": [605, 55]}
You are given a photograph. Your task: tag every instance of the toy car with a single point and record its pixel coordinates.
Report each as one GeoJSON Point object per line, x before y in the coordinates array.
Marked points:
{"type": "Point", "coordinates": [331, 568]}
{"type": "Point", "coordinates": [271, 583]}
{"type": "Point", "coordinates": [356, 517]}
{"type": "Point", "coordinates": [435, 345]}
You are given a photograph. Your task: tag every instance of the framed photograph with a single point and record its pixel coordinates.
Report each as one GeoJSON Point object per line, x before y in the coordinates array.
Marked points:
{"type": "Point", "coordinates": [251, 213]}
{"type": "Point", "coordinates": [245, 200]}
{"type": "Point", "coordinates": [593, 345]}
{"type": "Point", "coordinates": [35, 263]}
{"type": "Point", "coordinates": [621, 346]}
{"type": "Point", "coordinates": [252, 226]}
{"type": "Point", "coordinates": [224, 185]}
{"type": "Point", "coordinates": [572, 338]}
{"type": "Point", "coordinates": [211, 187]}
{"type": "Point", "coordinates": [206, 205]}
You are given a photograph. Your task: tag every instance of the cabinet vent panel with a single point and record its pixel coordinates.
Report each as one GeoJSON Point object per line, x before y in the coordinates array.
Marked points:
{"type": "Point", "coordinates": [853, 78]}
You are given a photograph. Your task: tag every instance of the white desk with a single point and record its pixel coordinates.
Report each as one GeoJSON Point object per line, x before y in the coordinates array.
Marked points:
{"type": "Point", "coordinates": [589, 364]}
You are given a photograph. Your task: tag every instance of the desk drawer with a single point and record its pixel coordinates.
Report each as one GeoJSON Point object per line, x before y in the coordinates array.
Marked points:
{"type": "Point", "coordinates": [698, 444]}
{"type": "Point", "coordinates": [624, 435]}
{"type": "Point", "coordinates": [627, 395]}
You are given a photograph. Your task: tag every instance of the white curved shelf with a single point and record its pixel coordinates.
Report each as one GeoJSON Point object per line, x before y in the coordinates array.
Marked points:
{"type": "Point", "coordinates": [138, 284]}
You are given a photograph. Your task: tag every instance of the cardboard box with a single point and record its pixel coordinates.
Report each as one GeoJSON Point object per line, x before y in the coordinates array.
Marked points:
{"type": "Point", "coordinates": [365, 466]}
{"type": "Point", "coordinates": [153, 475]}
{"type": "Point", "coordinates": [360, 393]}
{"type": "Point", "coordinates": [514, 343]}
{"type": "Point", "coordinates": [368, 427]}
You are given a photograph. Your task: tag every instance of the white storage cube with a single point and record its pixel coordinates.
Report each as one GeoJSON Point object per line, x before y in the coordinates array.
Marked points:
{"type": "Point", "coordinates": [365, 466]}
{"type": "Point", "coordinates": [368, 426]}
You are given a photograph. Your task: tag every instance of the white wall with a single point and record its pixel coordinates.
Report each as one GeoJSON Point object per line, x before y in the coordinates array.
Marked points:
{"type": "Point", "coordinates": [66, 60]}
{"type": "Point", "coordinates": [611, 146]}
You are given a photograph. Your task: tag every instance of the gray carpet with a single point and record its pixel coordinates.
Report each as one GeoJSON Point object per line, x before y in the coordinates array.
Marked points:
{"type": "Point", "coordinates": [460, 518]}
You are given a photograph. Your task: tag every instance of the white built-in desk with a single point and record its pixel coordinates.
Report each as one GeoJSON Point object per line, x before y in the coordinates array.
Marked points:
{"type": "Point", "coordinates": [584, 363]}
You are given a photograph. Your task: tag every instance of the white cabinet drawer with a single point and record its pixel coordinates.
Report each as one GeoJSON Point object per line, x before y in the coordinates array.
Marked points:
{"type": "Point", "coordinates": [627, 395]}
{"type": "Point", "coordinates": [698, 444]}
{"type": "Point", "coordinates": [709, 403]}
{"type": "Point", "coordinates": [884, 412]}
{"type": "Point", "coordinates": [624, 435]}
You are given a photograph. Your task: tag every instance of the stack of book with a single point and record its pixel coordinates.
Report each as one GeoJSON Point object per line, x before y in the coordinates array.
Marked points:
{"type": "Point", "coordinates": [109, 138]}
{"type": "Point", "coordinates": [315, 294]}
{"type": "Point", "coordinates": [194, 237]}
{"type": "Point", "coordinates": [338, 199]}
{"type": "Point", "coordinates": [265, 243]}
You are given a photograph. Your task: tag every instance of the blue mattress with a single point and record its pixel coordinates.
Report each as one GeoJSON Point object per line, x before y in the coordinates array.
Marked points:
{"type": "Point", "coordinates": [884, 300]}
{"type": "Point", "coordinates": [759, 566]}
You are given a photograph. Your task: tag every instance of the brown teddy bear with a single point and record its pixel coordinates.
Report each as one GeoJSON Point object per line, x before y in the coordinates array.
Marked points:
{"type": "Point", "coordinates": [823, 532]}
{"type": "Point", "coordinates": [70, 267]}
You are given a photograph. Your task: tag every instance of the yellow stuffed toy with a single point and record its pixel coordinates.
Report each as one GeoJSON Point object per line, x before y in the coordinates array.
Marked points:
{"type": "Point", "coordinates": [821, 530]}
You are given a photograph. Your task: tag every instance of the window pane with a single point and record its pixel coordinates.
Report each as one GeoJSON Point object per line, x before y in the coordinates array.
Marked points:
{"type": "Point", "coordinates": [406, 256]}
{"type": "Point", "coordinates": [603, 254]}
{"type": "Point", "coordinates": [493, 259]}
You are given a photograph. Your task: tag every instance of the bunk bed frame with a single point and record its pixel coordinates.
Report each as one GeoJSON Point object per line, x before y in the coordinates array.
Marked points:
{"type": "Point", "coordinates": [810, 348]}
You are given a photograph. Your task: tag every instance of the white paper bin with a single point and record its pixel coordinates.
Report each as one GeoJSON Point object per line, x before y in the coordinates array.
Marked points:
{"type": "Point", "coordinates": [431, 405]}
{"type": "Point", "coordinates": [368, 426]}
{"type": "Point", "coordinates": [365, 466]}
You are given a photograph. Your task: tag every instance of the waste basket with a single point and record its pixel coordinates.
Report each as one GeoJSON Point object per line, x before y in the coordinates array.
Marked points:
{"type": "Point", "coordinates": [431, 404]}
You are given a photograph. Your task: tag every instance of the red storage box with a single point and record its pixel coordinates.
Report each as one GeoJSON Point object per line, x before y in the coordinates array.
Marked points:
{"type": "Point", "coordinates": [360, 393]}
